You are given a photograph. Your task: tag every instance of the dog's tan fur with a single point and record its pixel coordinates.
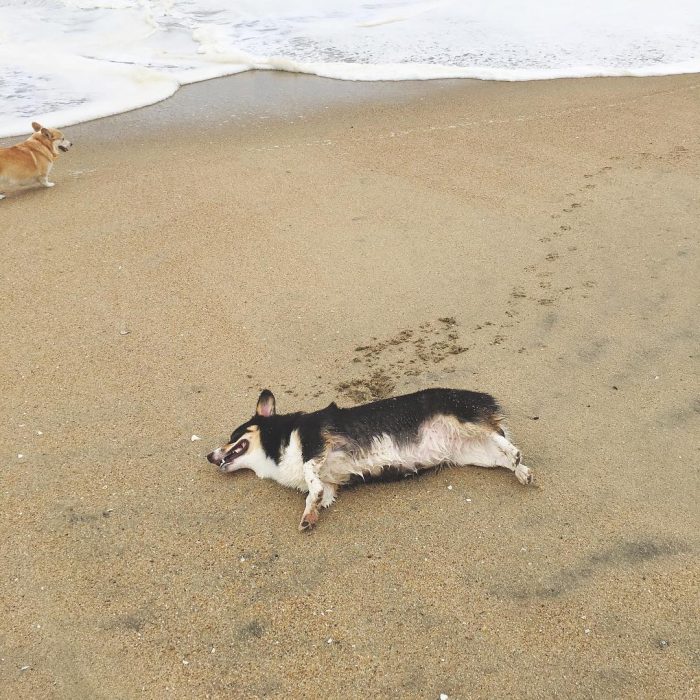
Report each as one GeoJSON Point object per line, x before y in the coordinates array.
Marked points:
{"type": "Point", "coordinates": [30, 162]}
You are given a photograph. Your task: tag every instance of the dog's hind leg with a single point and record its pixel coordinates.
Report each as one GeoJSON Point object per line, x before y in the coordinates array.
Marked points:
{"type": "Point", "coordinates": [315, 497]}
{"type": "Point", "coordinates": [493, 450]}
{"type": "Point", "coordinates": [45, 181]}
{"type": "Point", "coordinates": [512, 454]}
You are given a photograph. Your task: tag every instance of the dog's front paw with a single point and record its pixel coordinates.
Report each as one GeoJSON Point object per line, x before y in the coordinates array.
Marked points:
{"type": "Point", "coordinates": [308, 521]}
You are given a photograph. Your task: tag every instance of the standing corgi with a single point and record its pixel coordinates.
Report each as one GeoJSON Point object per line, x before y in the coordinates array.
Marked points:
{"type": "Point", "coordinates": [30, 162]}
{"type": "Point", "coordinates": [320, 451]}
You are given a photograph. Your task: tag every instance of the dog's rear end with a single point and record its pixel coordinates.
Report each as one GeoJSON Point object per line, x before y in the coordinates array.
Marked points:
{"type": "Point", "coordinates": [419, 431]}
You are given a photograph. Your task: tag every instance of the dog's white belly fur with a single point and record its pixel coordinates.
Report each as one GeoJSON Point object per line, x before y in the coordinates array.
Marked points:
{"type": "Point", "coordinates": [441, 440]}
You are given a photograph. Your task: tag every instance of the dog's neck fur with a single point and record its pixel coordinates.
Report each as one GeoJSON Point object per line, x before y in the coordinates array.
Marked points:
{"type": "Point", "coordinates": [37, 144]}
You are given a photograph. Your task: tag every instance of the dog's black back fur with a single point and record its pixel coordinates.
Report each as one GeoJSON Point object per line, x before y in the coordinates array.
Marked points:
{"type": "Point", "coordinates": [400, 417]}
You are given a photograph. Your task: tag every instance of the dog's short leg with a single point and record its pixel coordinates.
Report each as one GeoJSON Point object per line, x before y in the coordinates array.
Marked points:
{"type": "Point", "coordinates": [512, 459]}
{"type": "Point", "coordinates": [2, 196]}
{"type": "Point", "coordinates": [45, 181]}
{"type": "Point", "coordinates": [313, 500]}
{"type": "Point", "coordinates": [330, 491]}
{"type": "Point", "coordinates": [494, 451]}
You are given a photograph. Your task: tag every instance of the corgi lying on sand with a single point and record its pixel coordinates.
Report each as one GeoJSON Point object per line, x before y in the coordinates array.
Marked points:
{"type": "Point", "coordinates": [30, 162]}
{"type": "Point", "coordinates": [320, 451]}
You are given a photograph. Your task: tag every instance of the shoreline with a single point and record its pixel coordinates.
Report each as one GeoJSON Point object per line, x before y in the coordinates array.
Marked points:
{"type": "Point", "coordinates": [361, 93]}
{"type": "Point", "coordinates": [535, 241]}
{"type": "Point", "coordinates": [243, 99]}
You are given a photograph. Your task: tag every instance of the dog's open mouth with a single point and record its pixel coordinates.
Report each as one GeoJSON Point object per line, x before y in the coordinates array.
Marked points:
{"type": "Point", "coordinates": [237, 451]}
{"type": "Point", "coordinates": [63, 148]}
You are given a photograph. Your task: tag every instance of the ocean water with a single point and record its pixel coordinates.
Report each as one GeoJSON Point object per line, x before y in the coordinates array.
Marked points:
{"type": "Point", "coordinates": [67, 61]}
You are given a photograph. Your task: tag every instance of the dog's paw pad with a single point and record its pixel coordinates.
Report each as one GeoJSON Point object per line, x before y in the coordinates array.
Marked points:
{"type": "Point", "coordinates": [308, 521]}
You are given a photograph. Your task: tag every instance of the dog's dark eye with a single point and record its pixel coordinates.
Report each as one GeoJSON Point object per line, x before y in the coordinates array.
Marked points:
{"type": "Point", "coordinates": [239, 448]}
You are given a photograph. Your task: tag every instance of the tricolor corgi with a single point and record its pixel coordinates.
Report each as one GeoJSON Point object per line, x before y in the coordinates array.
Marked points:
{"type": "Point", "coordinates": [319, 452]}
{"type": "Point", "coordinates": [30, 162]}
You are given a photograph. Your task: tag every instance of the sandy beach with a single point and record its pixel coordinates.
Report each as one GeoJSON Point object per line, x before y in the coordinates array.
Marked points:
{"type": "Point", "coordinates": [346, 241]}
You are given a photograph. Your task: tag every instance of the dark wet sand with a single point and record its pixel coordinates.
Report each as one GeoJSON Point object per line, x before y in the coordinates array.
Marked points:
{"type": "Point", "coordinates": [342, 241]}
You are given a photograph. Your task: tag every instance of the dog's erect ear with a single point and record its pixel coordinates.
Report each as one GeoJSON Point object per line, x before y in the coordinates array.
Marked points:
{"type": "Point", "coordinates": [45, 132]}
{"type": "Point", "coordinates": [36, 126]}
{"type": "Point", "coordinates": [266, 404]}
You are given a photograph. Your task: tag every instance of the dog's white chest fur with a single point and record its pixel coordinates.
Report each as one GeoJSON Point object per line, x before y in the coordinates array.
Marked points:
{"type": "Point", "coordinates": [288, 471]}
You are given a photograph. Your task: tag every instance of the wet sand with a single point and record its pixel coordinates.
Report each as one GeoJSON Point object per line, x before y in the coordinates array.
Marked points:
{"type": "Point", "coordinates": [337, 241]}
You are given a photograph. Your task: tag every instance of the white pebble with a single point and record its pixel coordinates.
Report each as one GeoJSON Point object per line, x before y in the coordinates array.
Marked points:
{"type": "Point", "coordinates": [20, 456]}
{"type": "Point", "coordinates": [194, 438]}
{"type": "Point", "coordinates": [443, 696]}
{"type": "Point", "coordinates": [449, 488]}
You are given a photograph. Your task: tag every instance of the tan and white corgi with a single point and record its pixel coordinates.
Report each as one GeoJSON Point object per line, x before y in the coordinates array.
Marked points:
{"type": "Point", "coordinates": [319, 452]}
{"type": "Point", "coordinates": [30, 162]}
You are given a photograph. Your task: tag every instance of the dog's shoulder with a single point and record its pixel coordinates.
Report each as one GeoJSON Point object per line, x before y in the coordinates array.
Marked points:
{"type": "Point", "coordinates": [317, 428]}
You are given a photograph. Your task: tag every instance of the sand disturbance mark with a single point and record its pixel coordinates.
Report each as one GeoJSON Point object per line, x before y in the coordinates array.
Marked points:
{"type": "Point", "coordinates": [537, 285]}
{"type": "Point", "coordinates": [382, 363]}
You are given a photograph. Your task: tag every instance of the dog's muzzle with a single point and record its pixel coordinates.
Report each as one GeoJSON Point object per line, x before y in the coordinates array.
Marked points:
{"type": "Point", "coordinates": [223, 458]}
{"type": "Point", "coordinates": [216, 459]}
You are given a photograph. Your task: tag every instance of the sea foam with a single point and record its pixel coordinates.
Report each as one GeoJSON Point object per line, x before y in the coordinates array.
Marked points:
{"type": "Point", "coordinates": [67, 61]}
